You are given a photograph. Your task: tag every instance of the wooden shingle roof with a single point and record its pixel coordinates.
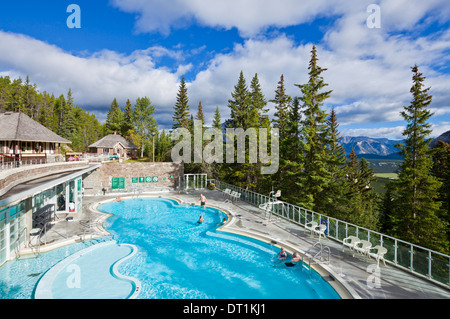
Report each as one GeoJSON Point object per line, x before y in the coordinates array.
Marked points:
{"type": "Point", "coordinates": [17, 126]}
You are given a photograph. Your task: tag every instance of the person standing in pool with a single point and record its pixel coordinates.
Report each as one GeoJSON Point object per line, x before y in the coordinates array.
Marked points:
{"type": "Point", "coordinates": [202, 200]}
{"type": "Point", "coordinates": [282, 254]}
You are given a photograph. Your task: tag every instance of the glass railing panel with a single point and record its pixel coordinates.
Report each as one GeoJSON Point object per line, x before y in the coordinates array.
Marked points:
{"type": "Point", "coordinates": [404, 254]}
{"type": "Point", "coordinates": [440, 268]}
{"type": "Point", "coordinates": [420, 261]}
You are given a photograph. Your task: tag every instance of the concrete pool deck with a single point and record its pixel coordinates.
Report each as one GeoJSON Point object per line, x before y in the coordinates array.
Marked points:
{"type": "Point", "coordinates": [357, 274]}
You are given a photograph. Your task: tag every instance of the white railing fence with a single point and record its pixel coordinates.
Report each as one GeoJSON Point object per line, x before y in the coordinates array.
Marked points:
{"type": "Point", "coordinates": [430, 264]}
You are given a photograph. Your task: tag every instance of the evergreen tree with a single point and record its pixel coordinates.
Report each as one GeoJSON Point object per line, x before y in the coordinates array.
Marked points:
{"type": "Point", "coordinates": [335, 200]}
{"type": "Point", "coordinates": [144, 122]}
{"type": "Point", "coordinates": [217, 121]}
{"type": "Point", "coordinates": [200, 114]}
{"type": "Point", "coordinates": [239, 105]}
{"type": "Point", "coordinates": [441, 170]}
{"type": "Point", "coordinates": [416, 208]}
{"type": "Point", "coordinates": [315, 177]}
{"type": "Point", "coordinates": [127, 123]}
{"type": "Point", "coordinates": [115, 118]}
{"type": "Point", "coordinates": [386, 210]}
{"type": "Point", "coordinates": [291, 165]}
{"type": "Point", "coordinates": [65, 116]}
{"type": "Point", "coordinates": [282, 102]}
{"type": "Point", "coordinates": [181, 115]}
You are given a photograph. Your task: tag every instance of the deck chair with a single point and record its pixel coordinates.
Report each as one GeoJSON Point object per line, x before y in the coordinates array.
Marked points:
{"type": "Point", "coordinates": [226, 192]}
{"type": "Point", "coordinates": [378, 255]}
{"type": "Point", "coordinates": [320, 230]}
{"type": "Point", "coordinates": [311, 226]}
{"type": "Point", "coordinates": [363, 247]}
{"type": "Point", "coordinates": [350, 242]}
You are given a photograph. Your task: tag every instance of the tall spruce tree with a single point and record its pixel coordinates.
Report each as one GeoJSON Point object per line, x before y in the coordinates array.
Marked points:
{"type": "Point", "coordinates": [416, 207]}
{"type": "Point", "coordinates": [217, 120]}
{"type": "Point", "coordinates": [115, 118]}
{"type": "Point", "coordinates": [441, 169]}
{"type": "Point", "coordinates": [239, 105]}
{"type": "Point", "coordinates": [335, 190]}
{"type": "Point", "coordinates": [315, 177]}
{"type": "Point", "coordinates": [181, 115]}
{"type": "Point", "coordinates": [282, 102]}
{"type": "Point", "coordinates": [144, 122]}
{"type": "Point", "coordinates": [127, 123]}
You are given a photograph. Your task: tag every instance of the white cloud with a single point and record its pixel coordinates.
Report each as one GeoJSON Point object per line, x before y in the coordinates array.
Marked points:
{"type": "Point", "coordinates": [249, 17]}
{"type": "Point", "coordinates": [94, 79]}
{"type": "Point", "coordinates": [368, 69]}
{"type": "Point", "coordinates": [393, 133]}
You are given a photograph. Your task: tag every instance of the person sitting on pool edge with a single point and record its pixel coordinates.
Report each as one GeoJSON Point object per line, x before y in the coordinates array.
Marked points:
{"type": "Point", "coordinates": [295, 259]}
{"type": "Point", "coordinates": [202, 200]}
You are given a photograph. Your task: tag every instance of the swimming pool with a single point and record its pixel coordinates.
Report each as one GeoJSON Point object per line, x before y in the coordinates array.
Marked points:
{"type": "Point", "coordinates": [178, 258]}
{"type": "Point", "coordinates": [161, 249]}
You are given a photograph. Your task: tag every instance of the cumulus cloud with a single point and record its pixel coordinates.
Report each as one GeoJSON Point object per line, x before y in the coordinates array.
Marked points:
{"type": "Point", "coordinates": [94, 79]}
{"type": "Point", "coordinates": [368, 69]}
{"type": "Point", "coordinates": [249, 17]}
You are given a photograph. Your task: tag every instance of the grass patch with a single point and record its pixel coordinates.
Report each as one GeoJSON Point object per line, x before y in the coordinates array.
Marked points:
{"type": "Point", "coordinates": [387, 175]}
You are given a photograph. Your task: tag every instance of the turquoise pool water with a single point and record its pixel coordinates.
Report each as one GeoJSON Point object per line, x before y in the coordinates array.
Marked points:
{"type": "Point", "coordinates": [174, 258]}
{"type": "Point", "coordinates": [179, 258]}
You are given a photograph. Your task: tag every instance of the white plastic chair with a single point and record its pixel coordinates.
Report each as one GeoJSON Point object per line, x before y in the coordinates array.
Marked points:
{"type": "Point", "coordinates": [235, 195]}
{"type": "Point", "coordinates": [363, 247]}
{"type": "Point", "coordinates": [350, 242]}
{"type": "Point", "coordinates": [378, 255]}
{"type": "Point", "coordinates": [311, 226]}
{"type": "Point", "coordinates": [320, 230]}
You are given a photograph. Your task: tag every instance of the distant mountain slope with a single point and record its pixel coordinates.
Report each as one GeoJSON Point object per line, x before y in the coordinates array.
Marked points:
{"type": "Point", "coordinates": [445, 137]}
{"type": "Point", "coordinates": [368, 145]}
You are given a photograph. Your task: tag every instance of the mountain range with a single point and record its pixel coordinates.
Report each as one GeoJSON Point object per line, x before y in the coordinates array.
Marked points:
{"type": "Point", "coordinates": [368, 145]}
{"type": "Point", "coordinates": [363, 145]}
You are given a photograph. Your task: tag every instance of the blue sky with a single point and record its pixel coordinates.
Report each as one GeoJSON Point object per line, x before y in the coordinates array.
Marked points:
{"type": "Point", "coordinates": [131, 48]}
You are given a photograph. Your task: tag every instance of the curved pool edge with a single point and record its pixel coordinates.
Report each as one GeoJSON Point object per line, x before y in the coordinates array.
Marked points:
{"type": "Point", "coordinates": [43, 288]}
{"type": "Point", "coordinates": [343, 289]}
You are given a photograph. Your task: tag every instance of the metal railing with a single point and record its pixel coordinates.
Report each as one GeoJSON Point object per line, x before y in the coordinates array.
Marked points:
{"type": "Point", "coordinates": [425, 262]}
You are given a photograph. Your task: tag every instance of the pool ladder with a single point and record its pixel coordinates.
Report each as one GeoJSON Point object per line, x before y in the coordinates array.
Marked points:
{"type": "Point", "coordinates": [318, 257]}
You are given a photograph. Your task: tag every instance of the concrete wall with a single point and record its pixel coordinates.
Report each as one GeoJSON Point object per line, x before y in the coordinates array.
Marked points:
{"type": "Point", "coordinates": [102, 178]}
{"type": "Point", "coordinates": [15, 176]}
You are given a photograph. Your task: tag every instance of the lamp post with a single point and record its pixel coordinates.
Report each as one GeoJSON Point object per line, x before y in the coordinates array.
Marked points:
{"type": "Point", "coordinates": [153, 134]}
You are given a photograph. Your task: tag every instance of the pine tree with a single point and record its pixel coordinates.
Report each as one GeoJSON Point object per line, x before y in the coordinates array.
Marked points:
{"type": "Point", "coordinates": [416, 206]}
{"type": "Point", "coordinates": [115, 118]}
{"type": "Point", "coordinates": [282, 102]}
{"type": "Point", "coordinates": [200, 115]}
{"type": "Point", "coordinates": [315, 177]}
{"type": "Point", "coordinates": [181, 116]}
{"type": "Point", "coordinates": [441, 170]}
{"type": "Point", "coordinates": [337, 159]}
{"type": "Point", "coordinates": [239, 105]}
{"type": "Point", "coordinates": [217, 121]}
{"type": "Point", "coordinates": [144, 122]}
{"type": "Point", "coordinates": [127, 123]}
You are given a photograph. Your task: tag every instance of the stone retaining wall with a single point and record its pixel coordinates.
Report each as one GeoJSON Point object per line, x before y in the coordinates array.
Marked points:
{"type": "Point", "coordinates": [142, 177]}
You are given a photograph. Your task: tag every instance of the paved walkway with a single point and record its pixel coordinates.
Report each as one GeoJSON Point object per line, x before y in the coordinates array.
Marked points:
{"type": "Point", "coordinates": [357, 273]}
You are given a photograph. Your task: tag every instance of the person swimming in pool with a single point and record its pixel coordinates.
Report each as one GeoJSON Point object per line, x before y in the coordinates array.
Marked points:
{"type": "Point", "coordinates": [200, 220]}
{"type": "Point", "coordinates": [202, 200]}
